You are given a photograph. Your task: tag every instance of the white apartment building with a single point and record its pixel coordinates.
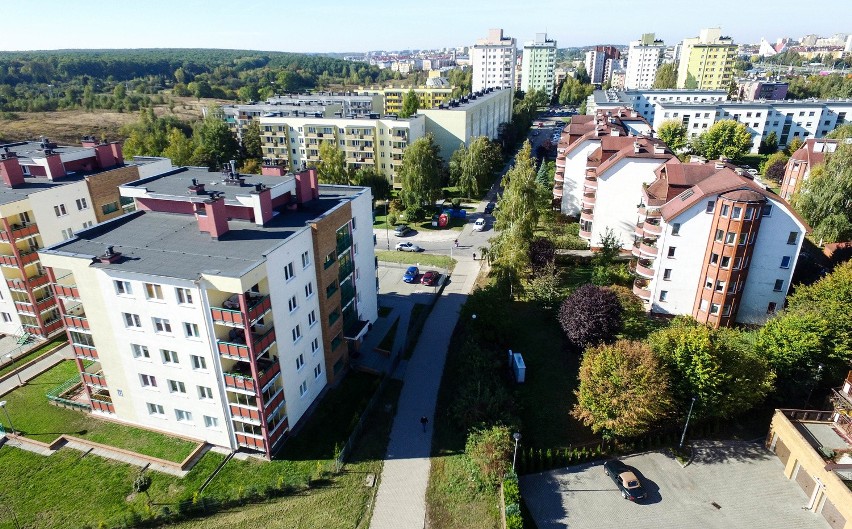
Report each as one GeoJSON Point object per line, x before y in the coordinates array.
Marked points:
{"type": "Point", "coordinates": [598, 63]}
{"type": "Point", "coordinates": [221, 309]}
{"type": "Point", "coordinates": [643, 58]}
{"type": "Point", "coordinates": [539, 62]}
{"type": "Point", "coordinates": [644, 101]}
{"type": "Point", "coordinates": [493, 60]}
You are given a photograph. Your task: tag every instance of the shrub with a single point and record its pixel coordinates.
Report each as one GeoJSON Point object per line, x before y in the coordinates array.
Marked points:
{"type": "Point", "coordinates": [489, 450]}
{"type": "Point", "coordinates": [590, 315]}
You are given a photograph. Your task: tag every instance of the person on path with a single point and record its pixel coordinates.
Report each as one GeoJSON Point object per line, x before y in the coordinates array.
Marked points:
{"type": "Point", "coordinates": [474, 256]}
{"type": "Point", "coordinates": [423, 421]}
{"type": "Point", "coordinates": [457, 243]}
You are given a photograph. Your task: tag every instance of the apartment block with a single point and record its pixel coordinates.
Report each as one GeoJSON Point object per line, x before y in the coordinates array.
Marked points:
{"type": "Point", "coordinates": [461, 120]}
{"type": "Point", "coordinates": [713, 244]}
{"type": "Point", "coordinates": [707, 61]}
{"type": "Point", "coordinates": [751, 90]}
{"type": "Point", "coordinates": [49, 193]}
{"type": "Point", "coordinates": [539, 62]}
{"type": "Point", "coordinates": [644, 101]}
{"type": "Point", "coordinates": [429, 96]}
{"type": "Point", "coordinates": [811, 154]}
{"type": "Point", "coordinates": [597, 60]}
{"type": "Point", "coordinates": [493, 61]}
{"type": "Point", "coordinates": [223, 307]}
{"type": "Point", "coordinates": [643, 58]}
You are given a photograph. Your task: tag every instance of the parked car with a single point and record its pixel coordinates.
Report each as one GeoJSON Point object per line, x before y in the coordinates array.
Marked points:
{"type": "Point", "coordinates": [627, 482]}
{"type": "Point", "coordinates": [407, 247]}
{"type": "Point", "coordinates": [410, 275]}
{"type": "Point", "coordinates": [479, 225]}
{"type": "Point", "coordinates": [430, 278]}
{"type": "Point", "coordinates": [489, 208]}
{"type": "Point", "coordinates": [752, 171]}
{"type": "Point", "coordinates": [401, 230]}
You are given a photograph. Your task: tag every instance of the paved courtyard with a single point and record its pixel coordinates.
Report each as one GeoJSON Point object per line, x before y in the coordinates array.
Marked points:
{"type": "Point", "coordinates": [728, 485]}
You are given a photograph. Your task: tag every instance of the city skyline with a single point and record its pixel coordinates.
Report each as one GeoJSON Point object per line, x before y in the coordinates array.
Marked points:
{"type": "Point", "coordinates": [198, 24]}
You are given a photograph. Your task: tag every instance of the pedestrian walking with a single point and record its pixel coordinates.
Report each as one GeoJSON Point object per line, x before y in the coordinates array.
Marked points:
{"type": "Point", "coordinates": [457, 243]}
{"type": "Point", "coordinates": [474, 256]}
{"type": "Point", "coordinates": [423, 421]}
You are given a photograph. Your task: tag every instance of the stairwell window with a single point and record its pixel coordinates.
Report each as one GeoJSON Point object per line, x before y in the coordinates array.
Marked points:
{"type": "Point", "coordinates": [671, 253]}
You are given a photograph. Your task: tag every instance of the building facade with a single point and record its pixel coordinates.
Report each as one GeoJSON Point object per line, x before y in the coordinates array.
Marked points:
{"type": "Point", "coordinates": [429, 96]}
{"type": "Point", "coordinates": [223, 307]}
{"type": "Point", "coordinates": [643, 59]}
{"type": "Point", "coordinates": [644, 101]}
{"type": "Point", "coordinates": [811, 154]}
{"type": "Point", "coordinates": [596, 63]}
{"type": "Point", "coordinates": [493, 61]}
{"type": "Point", "coordinates": [707, 61]}
{"type": "Point", "coordinates": [539, 62]}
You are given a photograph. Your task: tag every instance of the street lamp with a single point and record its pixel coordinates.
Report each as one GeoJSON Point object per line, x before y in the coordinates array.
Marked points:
{"type": "Point", "coordinates": [3, 405]}
{"type": "Point", "coordinates": [17, 372]}
{"type": "Point", "coordinates": [813, 384]}
{"type": "Point", "coordinates": [688, 415]}
{"type": "Point", "coordinates": [517, 437]}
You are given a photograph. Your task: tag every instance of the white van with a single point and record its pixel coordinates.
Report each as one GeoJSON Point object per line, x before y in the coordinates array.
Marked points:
{"type": "Point", "coordinates": [479, 225]}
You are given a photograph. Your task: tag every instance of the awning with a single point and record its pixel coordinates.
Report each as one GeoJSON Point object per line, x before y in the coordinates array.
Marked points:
{"type": "Point", "coordinates": [356, 330]}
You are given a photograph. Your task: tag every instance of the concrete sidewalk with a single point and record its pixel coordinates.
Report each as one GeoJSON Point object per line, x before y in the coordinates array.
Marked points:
{"type": "Point", "coordinates": [36, 369]}
{"type": "Point", "coordinates": [401, 498]}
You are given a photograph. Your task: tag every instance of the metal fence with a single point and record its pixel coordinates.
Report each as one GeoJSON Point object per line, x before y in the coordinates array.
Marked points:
{"type": "Point", "coordinates": [56, 394]}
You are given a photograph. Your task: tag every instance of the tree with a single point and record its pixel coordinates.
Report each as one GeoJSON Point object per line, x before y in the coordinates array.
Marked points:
{"type": "Point", "coordinates": [472, 168]}
{"type": "Point", "coordinates": [574, 91]}
{"type": "Point", "coordinates": [794, 145]}
{"type": "Point", "coordinates": [252, 144]}
{"type": "Point", "coordinates": [378, 183]}
{"type": "Point", "coordinates": [604, 258]}
{"type": "Point", "coordinates": [825, 198]}
{"type": "Point", "coordinates": [623, 390]}
{"type": "Point", "coordinates": [666, 77]}
{"type": "Point", "coordinates": [543, 288]}
{"type": "Point", "coordinates": [691, 83]}
{"type": "Point", "coordinates": [421, 174]}
{"type": "Point", "coordinates": [410, 104]}
{"type": "Point", "coordinates": [727, 138]}
{"type": "Point", "coordinates": [542, 254]}
{"type": "Point", "coordinates": [674, 133]}
{"type": "Point", "coordinates": [517, 205]}
{"type": "Point", "coordinates": [490, 450]}
{"type": "Point", "coordinates": [180, 148]}
{"type": "Point", "coordinates": [842, 132]}
{"type": "Point", "coordinates": [769, 144]}
{"type": "Point", "coordinates": [590, 315]}
{"type": "Point", "coordinates": [775, 166]}
{"type": "Point", "coordinates": [461, 172]}
{"type": "Point", "coordinates": [331, 168]}
{"type": "Point", "coordinates": [215, 145]}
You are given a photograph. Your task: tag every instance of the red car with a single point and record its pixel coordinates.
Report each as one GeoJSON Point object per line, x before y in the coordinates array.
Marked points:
{"type": "Point", "coordinates": [430, 278]}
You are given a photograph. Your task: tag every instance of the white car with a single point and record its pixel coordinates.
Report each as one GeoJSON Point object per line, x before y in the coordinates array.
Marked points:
{"type": "Point", "coordinates": [479, 225]}
{"type": "Point", "coordinates": [753, 172]}
{"type": "Point", "coordinates": [407, 247]}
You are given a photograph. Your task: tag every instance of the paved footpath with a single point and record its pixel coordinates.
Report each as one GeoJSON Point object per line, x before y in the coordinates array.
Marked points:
{"type": "Point", "coordinates": [36, 369]}
{"type": "Point", "coordinates": [401, 498]}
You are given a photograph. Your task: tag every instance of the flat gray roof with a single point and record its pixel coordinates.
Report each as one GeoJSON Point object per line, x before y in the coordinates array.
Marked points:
{"type": "Point", "coordinates": [176, 182]}
{"type": "Point", "coordinates": [34, 149]}
{"type": "Point", "coordinates": [34, 185]}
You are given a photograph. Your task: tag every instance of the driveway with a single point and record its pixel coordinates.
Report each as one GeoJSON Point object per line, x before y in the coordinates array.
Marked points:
{"type": "Point", "coordinates": [728, 485]}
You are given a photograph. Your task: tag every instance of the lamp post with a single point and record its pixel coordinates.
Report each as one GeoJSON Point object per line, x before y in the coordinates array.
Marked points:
{"type": "Point", "coordinates": [813, 384]}
{"type": "Point", "coordinates": [517, 437]}
{"type": "Point", "coordinates": [17, 372]}
{"type": "Point", "coordinates": [387, 228]}
{"type": "Point", "coordinates": [3, 405]}
{"type": "Point", "coordinates": [688, 415]}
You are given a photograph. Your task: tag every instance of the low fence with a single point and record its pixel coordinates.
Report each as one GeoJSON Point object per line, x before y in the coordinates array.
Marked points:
{"type": "Point", "coordinates": [22, 352]}
{"type": "Point", "coordinates": [56, 395]}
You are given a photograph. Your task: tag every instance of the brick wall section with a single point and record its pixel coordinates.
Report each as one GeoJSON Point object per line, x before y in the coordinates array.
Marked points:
{"type": "Point", "coordinates": [103, 188]}
{"type": "Point", "coordinates": [325, 241]}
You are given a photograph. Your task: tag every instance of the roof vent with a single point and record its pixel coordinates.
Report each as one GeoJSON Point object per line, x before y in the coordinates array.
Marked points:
{"type": "Point", "coordinates": [109, 256]}
{"type": "Point", "coordinates": [636, 147]}
{"type": "Point", "coordinates": [659, 149]}
{"type": "Point", "coordinates": [719, 165]}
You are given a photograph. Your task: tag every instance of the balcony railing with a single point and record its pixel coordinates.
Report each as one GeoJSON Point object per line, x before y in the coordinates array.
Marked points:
{"type": "Point", "coordinates": [274, 402]}
{"type": "Point", "coordinates": [30, 283]}
{"type": "Point", "coordinates": [102, 403]}
{"type": "Point", "coordinates": [75, 322]}
{"type": "Point", "coordinates": [19, 232]}
{"type": "Point", "coordinates": [95, 379]}
{"type": "Point", "coordinates": [652, 227]}
{"type": "Point", "coordinates": [588, 216]}
{"type": "Point", "coordinates": [27, 258]}
{"type": "Point", "coordinates": [587, 235]}
{"type": "Point", "coordinates": [87, 352]}
{"type": "Point", "coordinates": [588, 199]}
{"type": "Point", "coordinates": [258, 306]}
{"type": "Point", "coordinates": [347, 294]}
{"type": "Point", "coordinates": [66, 291]}
{"type": "Point", "coordinates": [245, 413]}
{"type": "Point", "coordinates": [640, 288]}
{"type": "Point", "coordinates": [343, 243]}
{"type": "Point", "coordinates": [345, 270]}
{"type": "Point", "coordinates": [244, 381]}
{"type": "Point", "coordinates": [647, 249]}
{"type": "Point", "coordinates": [240, 351]}
{"type": "Point", "coordinates": [251, 442]}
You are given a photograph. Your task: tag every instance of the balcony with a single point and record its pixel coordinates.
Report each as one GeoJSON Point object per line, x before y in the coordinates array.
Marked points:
{"type": "Point", "coordinates": [76, 322]}
{"type": "Point", "coordinates": [231, 315]}
{"type": "Point", "coordinates": [102, 402]}
{"type": "Point", "coordinates": [560, 161]}
{"type": "Point", "coordinates": [645, 211]}
{"type": "Point", "coordinates": [347, 294]}
{"type": "Point", "coordinates": [587, 235]}
{"type": "Point", "coordinates": [31, 283]}
{"type": "Point", "coordinates": [66, 291]}
{"type": "Point", "coordinates": [587, 215]}
{"type": "Point", "coordinates": [85, 352]}
{"type": "Point", "coordinates": [41, 305]}
{"type": "Point", "coordinates": [643, 268]}
{"type": "Point", "coordinates": [590, 183]}
{"type": "Point", "coordinates": [345, 270]}
{"type": "Point", "coordinates": [252, 442]}
{"type": "Point", "coordinates": [589, 200]}
{"type": "Point", "coordinates": [640, 288]}
{"type": "Point", "coordinates": [639, 230]}
{"type": "Point", "coordinates": [238, 350]}
{"type": "Point", "coordinates": [245, 413]}
{"type": "Point", "coordinates": [344, 242]}
{"type": "Point", "coordinates": [241, 378]}
{"type": "Point", "coordinates": [27, 258]}
{"type": "Point", "coordinates": [95, 379]}
{"type": "Point", "coordinates": [274, 402]}
{"type": "Point", "coordinates": [558, 177]}
{"type": "Point", "coordinates": [19, 232]}
{"type": "Point", "coordinates": [557, 192]}
{"type": "Point", "coordinates": [652, 227]}
{"type": "Point", "coordinates": [648, 248]}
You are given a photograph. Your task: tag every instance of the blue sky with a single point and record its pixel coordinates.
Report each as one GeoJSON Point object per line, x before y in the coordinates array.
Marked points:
{"type": "Point", "coordinates": [360, 25]}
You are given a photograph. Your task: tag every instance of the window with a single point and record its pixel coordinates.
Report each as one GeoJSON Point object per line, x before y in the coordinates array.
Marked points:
{"type": "Point", "coordinates": [737, 213]}
{"type": "Point", "coordinates": [714, 308]}
{"type": "Point", "coordinates": [730, 237]}
{"type": "Point", "coordinates": [309, 289]}
{"type": "Point", "coordinates": [312, 319]}
{"type": "Point", "coordinates": [703, 305]}
{"type": "Point", "coordinates": [306, 260]}
{"type": "Point", "coordinates": [300, 362]}
{"type": "Point", "coordinates": [676, 228]}
{"type": "Point", "coordinates": [67, 234]}
{"type": "Point", "coordinates": [720, 234]}
{"type": "Point", "coordinates": [139, 351]}
{"type": "Point", "coordinates": [315, 345]}
{"type": "Point", "coordinates": [738, 263]}
{"type": "Point", "coordinates": [155, 409]}
{"type": "Point", "coordinates": [293, 304]}
{"type": "Point", "coordinates": [766, 211]}
{"type": "Point", "coordinates": [743, 238]}
{"type": "Point", "coordinates": [191, 330]}
{"type": "Point", "coordinates": [664, 294]}
{"type": "Point", "coordinates": [176, 386]}
{"type": "Point", "coordinates": [109, 208]}
{"type": "Point", "coordinates": [153, 291]}
{"type": "Point", "coordinates": [197, 362]}
{"type": "Point", "coordinates": [184, 296]}
{"type": "Point", "coordinates": [122, 288]}
{"type": "Point", "coordinates": [211, 422]}
{"type": "Point", "coordinates": [162, 325]}
{"type": "Point", "coordinates": [169, 357]}
{"type": "Point", "coordinates": [714, 259]}
{"type": "Point", "coordinates": [60, 210]}
{"type": "Point", "coordinates": [671, 253]}
{"type": "Point", "coordinates": [667, 274]}
{"type": "Point", "coordinates": [132, 320]}
{"type": "Point", "coordinates": [303, 388]}
{"type": "Point", "coordinates": [318, 371]}
{"type": "Point", "coordinates": [726, 310]}
{"type": "Point", "coordinates": [726, 261]}
{"type": "Point", "coordinates": [183, 416]}
{"type": "Point", "coordinates": [88, 224]}
{"type": "Point", "coordinates": [297, 333]}
{"type": "Point", "coordinates": [205, 393]}
{"type": "Point", "coordinates": [720, 286]}
{"type": "Point", "coordinates": [749, 213]}
{"type": "Point", "coordinates": [288, 272]}
{"type": "Point", "coordinates": [725, 209]}
{"type": "Point", "coordinates": [7, 317]}
{"type": "Point", "coordinates": [785, 261]}
{"type": "Point", "coordinates": [779, 284]}
{"type": "Point", "coordinates": [82, 204]}
{"type": "Point", "coordinates": [770, 309]}
{"type": "Point", "coordinates": [708, 282]}
{"type": "Point", "coordinates": [148, 381]}
{"type": "Point", "coordinates": [793, 237]}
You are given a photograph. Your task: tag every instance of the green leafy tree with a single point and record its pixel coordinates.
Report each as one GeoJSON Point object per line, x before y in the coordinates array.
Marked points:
{"type": "Point", "coordinates": [727, 138]}
{"type": "Point", "coordinates": [769, 144]}
{"type": "Point", "coordinates": [473, 168]}
{"type": "Point", "coordinates": [248, 92]}
{"type": "Point", "coordinates": [674, 133]}
{"type": "Point", "coordinates": [180, 148]}
{"type": "Point", "coordinates": [666, 77]}
{"type": "Point", "coordinates": [794, 145]}
{"type": "Point", "coordinates": [410, 104]}
{"type": "Point", "coordinates": [421, 174]}
{"type": "Point", "coordinates": [623, 390]}
{"type": "Point", "coordinates": [691, 83]}
{"type": "Point", "coordinates": [216, 146]}
{"type": "Point", "coordinates": [517, 205]}
{"type": "Point", "coordinates": [842, 132]}
{"type": "Point", "coordinates": [331, 168]}
{"type": "Point", "coordinates": [795, 343]}
{"type": "Point", "coordinates": [378, 183]}
{"type": "Point", "coordinates": [775, 166]}
{"type": "Point", "coordinates": [252, 144]}
{"type": "Point", "coordinates": [825, 198]}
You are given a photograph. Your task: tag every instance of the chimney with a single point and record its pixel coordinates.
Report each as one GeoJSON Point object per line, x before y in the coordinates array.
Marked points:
{"type": "Point", "coordinates": [89, 142]}
{"type": "Point", "coordinates": [307, 187]}
{"type": "Point", "coordinates": [196, 188]}
{"type": "Point", "coordinates": [55, 167]}
{"type": "Point", "coordinates": [270, 168]}
{"type": "Point", "coordinates": [117, 153]}
{"type": "Point", "coordinates": [213, 219]}
{"type": "Point", "coordinates": [261, 200]}
{"type": "Point", "coordinates": [636, 146]}
{"type": "Point", "coordinates": [613, 132]}
{"type": "Point", "coordinates": [104, 156]}
{"type": "Point", "coordinates": [109, 256]}
{"type": "Point", "coordinates": [659, 149]}
{"type": "Point", "coordinates": [719, 165]}
{"type": "Point", "coordinates": [10, 169]}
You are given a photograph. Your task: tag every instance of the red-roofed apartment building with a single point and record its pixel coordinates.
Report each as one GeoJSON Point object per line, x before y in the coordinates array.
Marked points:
{"type": "Point", "coordinates": [802, 162]}
{"type": "Point", "coordinates": [713, 244]}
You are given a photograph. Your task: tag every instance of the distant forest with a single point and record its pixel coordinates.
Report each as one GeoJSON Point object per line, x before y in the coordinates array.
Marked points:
{"type": "Point", "coordinates": [127, 80]}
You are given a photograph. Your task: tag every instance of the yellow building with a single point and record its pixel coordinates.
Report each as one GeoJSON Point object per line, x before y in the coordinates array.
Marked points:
{"type": "Point", "coordinates": [708, 59]}
{"type": "Point", "coordinates": [430, 96]}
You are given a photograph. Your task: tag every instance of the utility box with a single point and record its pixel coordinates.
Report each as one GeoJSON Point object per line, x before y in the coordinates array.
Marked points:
{"type": "Point", "coordinates": [519, 368]}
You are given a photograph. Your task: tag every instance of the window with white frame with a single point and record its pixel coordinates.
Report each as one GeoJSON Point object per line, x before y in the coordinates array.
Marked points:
{"type": "Point", "coordinates": [169, 357]}
{"type": "Point", "coordinates": [122, 288]}
{"type": "Point", "coordinates": [162, 325]}
{"type": "Point", "coordinates": [288, 272]}
{"type": "Point", "coordinates": [318, 371]}
{"type": "Point", "coordinates": [197, 362]}
{"type": "Point", "coordinates": [82, 204]}
{"type": "Point", "coordinates": [309, 289]}
{"type": "Point", "coordinates": [132, 320]}
{"type": "Point", "coordinates": [292, 304]}
{"type": "Point", "coordinates": [297, 333]}
{"type": "Point", "coordinates": [303, 388]}
{"type": "Point", "coordinates": [148, 381]}
{"type": "Point", "coordinates": [155, 409]}
{"type": "Point", "coordinates": [176, 386]}
{"type": "Point", "coordinates": [315, 345]}
{"type": "Point", "coordinates": [300, 362]}
{"type": "Point", "coordinates": [153, 291]}
{"type": "Point", "coordinates": [139, 351]}
{"type": "Point", "coordinates": [205, 393]}
{"type": "Point", "coordinates": [60, 210]}
{"type": "Point", "coordinates": [6, 317]}
{"type": "Point", "coordinates": [306, 259]}
{"type": "Point", "coordinates": [191, 330]}
{"type": "Point", "coordinates": [183, 416]}
{"type": "Point", "coordinates": [211, 422]}
{"type": "Point", "coordinates": [664, 294]}
{"type": "Point", "coordinates": [312, 318]}
{"type": "Point", "coordinates": [184, 296]}
{"type": "Point", "coordinates": [67, 234]}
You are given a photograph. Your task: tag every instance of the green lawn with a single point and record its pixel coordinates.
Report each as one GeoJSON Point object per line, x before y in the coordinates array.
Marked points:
{"type": "Point", "coordinates": [33, 415]}
{"type": "Point", "coordinates": [31, 356]}
{"type": "Point", "coordinates": [422, 259]}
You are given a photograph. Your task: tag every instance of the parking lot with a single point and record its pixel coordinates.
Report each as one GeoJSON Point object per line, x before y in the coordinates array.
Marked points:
{"type": "Point", "coordinates": [727, 485]}
{"type": "Point", "coordinates": [391, 283]}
